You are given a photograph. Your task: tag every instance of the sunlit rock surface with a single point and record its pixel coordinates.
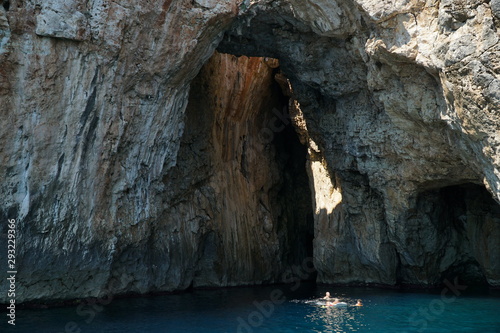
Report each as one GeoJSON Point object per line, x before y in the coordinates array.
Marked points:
{"type": "Point", "coordinates": [125, 175]}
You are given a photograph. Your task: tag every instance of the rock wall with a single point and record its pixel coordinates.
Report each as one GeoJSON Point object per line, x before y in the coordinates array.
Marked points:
{"type": "Point", "coordinates": [93, 120]}
{"type": "Point", "coordinates": [122, 180]}
{"type": "Point", "coordinates": [398, 101]}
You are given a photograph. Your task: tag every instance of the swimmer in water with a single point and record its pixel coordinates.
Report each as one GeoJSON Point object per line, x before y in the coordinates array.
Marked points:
{"type": "Point", "coordinates": [335, 301]}
{"type": "Point", "coordinates": [327, 296]}
{"type": "Point", "coordinates": [359, 303]}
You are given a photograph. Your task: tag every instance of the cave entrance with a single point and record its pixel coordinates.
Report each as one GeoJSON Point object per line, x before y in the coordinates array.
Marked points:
{"type": "Point", "coordinates": [460, 226]}
{"type": "Point", "coordinates": [240, 179]}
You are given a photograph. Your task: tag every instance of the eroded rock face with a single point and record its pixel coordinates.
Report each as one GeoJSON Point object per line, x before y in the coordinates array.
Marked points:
{"type": "Point", "coordinates": [398, 100]}
{"type": "Point", "coordinates": [90, 129]}
{"type": "Point", "coordinates": [397, 103]}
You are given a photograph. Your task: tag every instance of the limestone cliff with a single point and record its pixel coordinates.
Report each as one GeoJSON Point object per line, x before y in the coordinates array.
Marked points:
{"type": "Point", "coordinates": [127, 168]}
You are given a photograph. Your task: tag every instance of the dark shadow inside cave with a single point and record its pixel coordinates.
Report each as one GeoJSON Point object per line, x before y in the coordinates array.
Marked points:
{"type": "Point", "coordinates": [297, 226]}
{"type": "Point", "coordinates": [465, 222]}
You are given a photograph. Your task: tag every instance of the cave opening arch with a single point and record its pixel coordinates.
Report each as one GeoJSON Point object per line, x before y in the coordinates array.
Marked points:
{"type": "Point", "coordinates": [243, 167]}
{"type": "Point", "coordinates": [326, 77]}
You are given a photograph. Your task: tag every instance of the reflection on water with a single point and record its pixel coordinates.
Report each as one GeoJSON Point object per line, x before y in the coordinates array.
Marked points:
{"type": "Point", "coordinates": [336, 320]}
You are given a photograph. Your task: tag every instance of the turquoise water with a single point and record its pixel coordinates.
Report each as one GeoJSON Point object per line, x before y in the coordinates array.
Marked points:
{"type": "Point", "coordinates": [274, 309]}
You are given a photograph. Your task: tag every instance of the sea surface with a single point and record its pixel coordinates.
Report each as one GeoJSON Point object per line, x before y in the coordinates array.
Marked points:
{"type": "Point", "coordinates": [282, 308]}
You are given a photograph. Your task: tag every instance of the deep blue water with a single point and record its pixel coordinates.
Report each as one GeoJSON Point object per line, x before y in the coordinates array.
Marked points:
{"type": "Point", "coordinates": [274, 309]}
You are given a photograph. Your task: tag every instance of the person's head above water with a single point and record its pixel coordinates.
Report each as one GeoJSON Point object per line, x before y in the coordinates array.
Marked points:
{"type": "Point", "coordinates": [359, 303]}
{"type": "Point", "coordinates": [327, 294]}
